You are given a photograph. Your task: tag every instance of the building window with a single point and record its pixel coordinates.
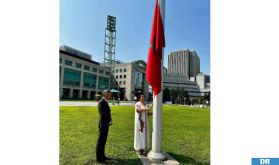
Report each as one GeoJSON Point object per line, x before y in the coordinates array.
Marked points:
{"type": "Point", "coordinates": [89, 80]}
{"type": "Point", "coordinates": [103, 82]}
{"type": "Point", "coordinates": [94, 69]}
{"type": "Point", "coordinates": [116, 77]}
{"type": "Point", "coordinates": [120, 76]}
{"type": "Point", "coordinates": [113, 71]}
{"type": "Point", "coordinates": [71, 77]}
{"type": "Point", "coordinates": [116, 70]}
{"type": "Point", "coordinates": [78, 65]}
{"type": "Point", "coordinates": [124, 82]}
{"type": "Point", "coordinates": [68, 62]}
{"type": "Point", "coordinates": [120, 70]}
{"type": "Point", "coordinates": [60, 60]}
{"type": "Point", "coordinates": [86, 67]}
{"type": "Point", "coordinates": [124, 69]}
{"type": "Point", "coordinates": [120, 82]}
{"type": "Point", "coordinates": [124, 76]}
{"type": "Point", "coordinates": [101, 71]}
{"type": "Point", "coordinates": [107, 73]}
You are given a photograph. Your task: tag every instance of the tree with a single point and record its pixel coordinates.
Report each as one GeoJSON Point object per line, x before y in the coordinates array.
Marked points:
{"type": "Point", "coordinates": [174, 95]}
{"type": "Point", "coordinates": [166, 94]}
{"type": "Point", "coordinates": [182, 91]}
{"type": "Point", "coordinates": [178, 91]}
{"type": "Point", "coordinates": [188, 101]}
{"type": "Point", "coordinates": [187, 95]}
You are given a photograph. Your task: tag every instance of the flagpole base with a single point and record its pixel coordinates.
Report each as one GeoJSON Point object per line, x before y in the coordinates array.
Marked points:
{"type": "Point", "coordinates": [156, 157]}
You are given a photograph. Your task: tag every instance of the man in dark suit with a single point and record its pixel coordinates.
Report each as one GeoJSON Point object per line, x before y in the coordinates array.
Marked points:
{"type": "Point", "coordinates": [104, 123]}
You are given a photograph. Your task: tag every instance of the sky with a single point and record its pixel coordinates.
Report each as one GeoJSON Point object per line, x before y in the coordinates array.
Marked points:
{"type": "Point", "coordinates": [187, 26]}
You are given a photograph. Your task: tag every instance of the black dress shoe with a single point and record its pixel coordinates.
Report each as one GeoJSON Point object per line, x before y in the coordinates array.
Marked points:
{"type": "Point", "coordinates": [107, 158]}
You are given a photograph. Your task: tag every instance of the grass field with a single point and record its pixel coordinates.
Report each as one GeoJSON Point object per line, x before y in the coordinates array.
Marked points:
{"type": "Point", "coordinates": [185, 135]}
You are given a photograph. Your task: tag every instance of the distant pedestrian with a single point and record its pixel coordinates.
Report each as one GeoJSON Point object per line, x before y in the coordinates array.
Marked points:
{"type": "Point", "coordinates": [118, 100]}
{"type": "Point", "coordinates": [177, 100]}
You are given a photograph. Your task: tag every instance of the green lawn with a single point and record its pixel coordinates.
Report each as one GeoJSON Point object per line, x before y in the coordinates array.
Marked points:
{"type": "Point", "coordinates": [185, 135]}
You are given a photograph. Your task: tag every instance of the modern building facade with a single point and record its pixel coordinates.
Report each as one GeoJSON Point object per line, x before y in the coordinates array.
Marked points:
{"type": "Point", "coordinates": [130, 80]}
{"type": "Point", "coordinates": [184, 62]}
{"type": "Point", "coordinates": [80, 77]}
{"type": "Point", "coordinates": [165, 70]}
{"type": "Point", "coordinates": [203, 82]}
{"type": "Point", "coordinates": [181, 81]}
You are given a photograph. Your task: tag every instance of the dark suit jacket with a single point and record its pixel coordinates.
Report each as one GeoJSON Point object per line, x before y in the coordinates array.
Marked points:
{"type": "Point", "coordinates": [104, 113]}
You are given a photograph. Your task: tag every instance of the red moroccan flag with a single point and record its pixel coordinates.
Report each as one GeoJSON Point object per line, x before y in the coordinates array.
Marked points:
{"type": "Point", "coordinates": [157, 42]}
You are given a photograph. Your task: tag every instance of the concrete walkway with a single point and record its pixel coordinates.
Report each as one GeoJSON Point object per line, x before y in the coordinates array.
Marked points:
{"type": "Point", "coordinates": [91, 103]}
{"type": "Point", "coordinates": [170, 160]}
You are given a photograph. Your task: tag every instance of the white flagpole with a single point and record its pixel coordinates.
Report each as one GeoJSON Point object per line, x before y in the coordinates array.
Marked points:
{"type": "Point", "coordinates": [155, 154]}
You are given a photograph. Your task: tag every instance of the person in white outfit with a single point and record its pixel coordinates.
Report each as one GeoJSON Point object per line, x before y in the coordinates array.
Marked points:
{"type": "Point", "coordinates": [141, 136]}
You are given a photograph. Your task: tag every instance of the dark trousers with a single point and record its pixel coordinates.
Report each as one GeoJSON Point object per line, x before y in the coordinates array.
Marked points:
{"type": "Point", "coordinates": [101, 142]}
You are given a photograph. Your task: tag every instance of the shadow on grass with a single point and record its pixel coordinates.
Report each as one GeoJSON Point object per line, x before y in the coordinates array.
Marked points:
{"type": "Point", "coordinates": [188, 160]}
{"type": "Point", "coordinates": [115, 161]}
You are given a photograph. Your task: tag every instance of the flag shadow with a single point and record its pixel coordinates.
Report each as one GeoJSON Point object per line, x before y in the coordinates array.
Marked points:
{"type": "Point", "coordinates": [188, 160]}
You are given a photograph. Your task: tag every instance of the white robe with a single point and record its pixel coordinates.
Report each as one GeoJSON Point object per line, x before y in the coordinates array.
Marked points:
{"type": "Point", "coordinates": [141, 139]}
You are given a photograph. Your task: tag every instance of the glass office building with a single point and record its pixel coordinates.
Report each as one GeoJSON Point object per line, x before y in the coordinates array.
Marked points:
{"type": "Point", "coordinates": [79, 76]}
